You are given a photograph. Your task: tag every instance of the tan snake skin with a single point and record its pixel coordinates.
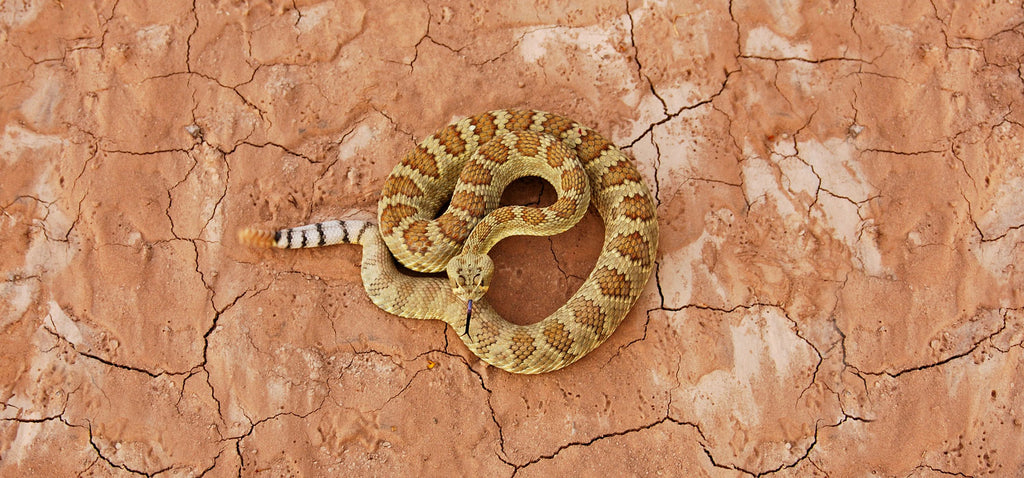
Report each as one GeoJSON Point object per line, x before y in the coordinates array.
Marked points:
{"type": "Point", "coordinates": [471, 161]}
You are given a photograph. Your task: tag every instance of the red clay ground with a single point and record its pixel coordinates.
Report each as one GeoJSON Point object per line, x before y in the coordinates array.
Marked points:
{"type": "Point", "coordinates": [838, 291]}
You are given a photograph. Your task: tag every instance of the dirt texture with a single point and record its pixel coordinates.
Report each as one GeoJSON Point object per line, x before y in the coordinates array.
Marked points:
{"type": "Point", "coordinates": [838, 292]}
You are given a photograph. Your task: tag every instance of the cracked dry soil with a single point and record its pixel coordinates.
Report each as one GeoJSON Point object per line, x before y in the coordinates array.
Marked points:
{"type": "Point", "coordinates": [838, 290]}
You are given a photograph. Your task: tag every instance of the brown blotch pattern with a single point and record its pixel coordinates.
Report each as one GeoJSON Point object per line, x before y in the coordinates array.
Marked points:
{"type": "Point", "coordinates": [454, 228]}
{"type": "Point", "coordinates": [633, 247]}
{"type": "Point", "coordinates": [416, 237]}
{"type": "Point", "coordinates": [519, 120]}
{"type": "Point", "coordinates": [475, 173]}
{"type": "Point", "coordinates": [495, 151]}
{"type": "Point", "coordinates": [533, 216]}
{"type": "Point", "coordinates": [401, 185]}
{"type": "Point", "coordinates": [636, 206]}
{"type": "Point", "coordinates": [421, 160]}
{"type": "Point", "coordinates": [473, 204]}
{"type": "Point", "coordinates": [591, 147]}
{"type": "Point", "coordinates": [557, 337]}
{"type": "Point", "coordinates": [588, 314]}
{"type": "Point", "coordinates": [503, 214]}
{"type": "Point", "coordinates": [486, 338]}
{"type": "Point", "coordinates": [528, 144]}
{"type": "Point", "coordinates": [392, 216]}
{"type": "Point", "coordinates": [557, 125]}
{"type": "Point", "coordinates": [522, 346]}
{"type": "Point", "coordinates": [556, 157]}
{"type": "Point", "coordinates": [620, 173]}
{"type": "Point", "coordinates": [612, 283]}
{"type": "Point", "coordinates": [451, 140]}
{"type": "Point", "coordinates": [563, 207]}
{"type": "Point", "coordinates": [483, 126]}
{"type": "Point", "coordinates": [574, 180]}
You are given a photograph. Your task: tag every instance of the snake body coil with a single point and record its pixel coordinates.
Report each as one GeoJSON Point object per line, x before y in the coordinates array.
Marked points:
{"type": "Point", "coordinates": [468, 164]}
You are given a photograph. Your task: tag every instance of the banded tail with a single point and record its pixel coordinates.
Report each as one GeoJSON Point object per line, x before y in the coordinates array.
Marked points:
{"type": "Point", "coordinates": [312, 235]}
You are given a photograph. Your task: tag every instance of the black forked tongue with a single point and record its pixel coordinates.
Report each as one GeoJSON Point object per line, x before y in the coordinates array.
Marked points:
{"type": "Point", "coordinates": [469, 314]}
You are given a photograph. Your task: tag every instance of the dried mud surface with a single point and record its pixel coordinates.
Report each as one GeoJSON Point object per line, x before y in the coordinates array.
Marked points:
{"type": "Point", "coordinates": [839, 282]}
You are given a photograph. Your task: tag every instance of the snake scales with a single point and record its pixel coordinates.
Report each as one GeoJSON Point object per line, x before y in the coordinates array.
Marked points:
{"type": "Point", "coordinates": [471, 161]}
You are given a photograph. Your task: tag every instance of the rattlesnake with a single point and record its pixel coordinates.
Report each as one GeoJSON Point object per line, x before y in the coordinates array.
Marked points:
{"type": "Point", "coordinates": [471, 161]}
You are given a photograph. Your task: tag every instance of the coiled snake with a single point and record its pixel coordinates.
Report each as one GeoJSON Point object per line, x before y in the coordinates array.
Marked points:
{"type": "Point", "coordinates": [471, 162]}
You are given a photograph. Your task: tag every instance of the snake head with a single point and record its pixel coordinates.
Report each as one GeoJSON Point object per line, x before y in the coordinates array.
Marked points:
{"type": "Point", "coordinates": [470, 275]}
